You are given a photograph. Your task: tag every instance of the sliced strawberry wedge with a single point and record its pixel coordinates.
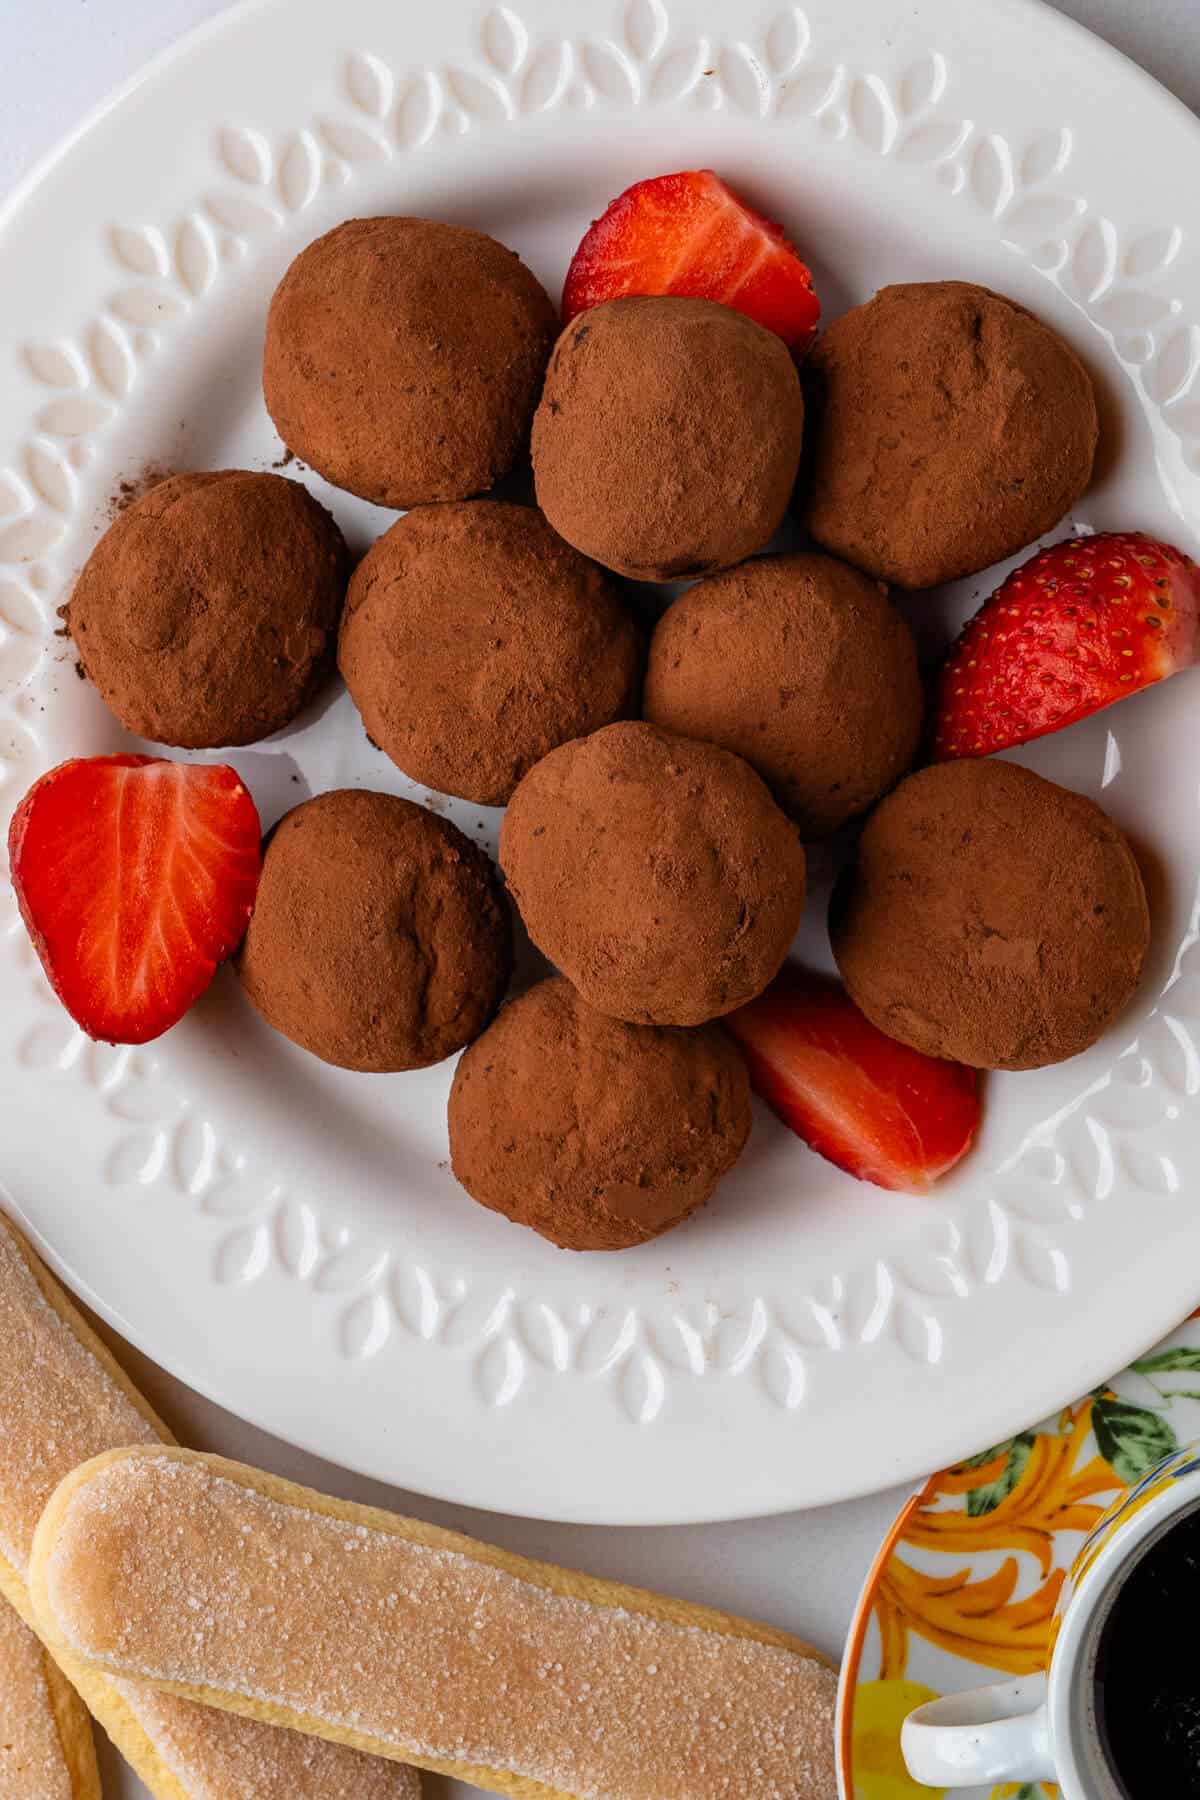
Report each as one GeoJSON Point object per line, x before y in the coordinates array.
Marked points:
{"type": "Point", "coordinates": [690, 234]}
{"type": "Point", "coordinates": [1076, 628]}
{"type": "Point", "coordinates": [877, 1109]}
{"type": "Point", "coordinates": [135, 878]}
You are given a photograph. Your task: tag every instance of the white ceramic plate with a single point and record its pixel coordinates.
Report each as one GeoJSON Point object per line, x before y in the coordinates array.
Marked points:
{"type": "Point", "coordinates": [288, 1238]}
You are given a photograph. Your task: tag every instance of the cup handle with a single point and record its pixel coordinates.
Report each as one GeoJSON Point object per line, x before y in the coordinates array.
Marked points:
{"type": "Point", "coordinates": [976, 1739]}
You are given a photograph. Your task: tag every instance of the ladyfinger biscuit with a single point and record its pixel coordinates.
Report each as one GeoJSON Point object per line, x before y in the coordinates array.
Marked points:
{"type": "Point", "coordinates": [63, 1398]}
{"type": "Point", "coordinates": [222, 1584]}
{"type": "Point", "coordinates": [46, 1748]}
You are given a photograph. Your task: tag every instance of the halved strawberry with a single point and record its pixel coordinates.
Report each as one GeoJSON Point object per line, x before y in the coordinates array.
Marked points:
{"type": "Point", "coordinates": [135, 878]}
{"type": "Point", "coordinates": [690, 234]}
{"type": "Point", "coordinates": [1081, 625]}
{"type": "Point", "coordinates": [877, 1109]}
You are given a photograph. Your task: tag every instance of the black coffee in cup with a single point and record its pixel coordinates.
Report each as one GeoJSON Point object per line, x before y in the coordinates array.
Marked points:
{"type": "Point", "coordinates": [1148, 1671]}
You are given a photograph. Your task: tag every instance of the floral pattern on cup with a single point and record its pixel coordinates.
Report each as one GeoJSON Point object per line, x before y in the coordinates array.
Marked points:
{"type": "Point", "coordinates": [967, 1586]}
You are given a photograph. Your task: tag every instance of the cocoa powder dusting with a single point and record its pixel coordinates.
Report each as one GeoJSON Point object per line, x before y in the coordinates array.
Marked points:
{"type": "Point", "coordinates": [206, 615]}
{"type": "Point", "coordinates": [475, 640]}
{"type": "Point", "coordinates": [992, 917]}
{"type": "Point", "coordinates": [657, 872]}
{"type": "Point", "coordinates": [380, 939]}
{"type": "Point", "coordinates": [668, 436]}
{"type": "Point", "coordinates": [404, 358]}
{"type": "Point", "coordinates": [799, 664]}
{"type": "Point", "coordinates": [595, 1133]}
{"type": "Point", "coordinates": [948, 428]}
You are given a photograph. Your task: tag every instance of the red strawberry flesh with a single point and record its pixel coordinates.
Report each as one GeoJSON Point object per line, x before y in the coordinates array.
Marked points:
{"type": "Point", "coordinates": [879, 1110]}
{"type": "Point", "coordinates": [1080, 626]}
{"type": "Point", "coordinates": [689, 234]}
{"type": "Point", "coordinates": [135, 877]}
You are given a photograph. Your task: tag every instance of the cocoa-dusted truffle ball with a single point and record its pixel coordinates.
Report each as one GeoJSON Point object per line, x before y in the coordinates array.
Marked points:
{"type": "Point", "coordinates": [207, 613]}
{"type": "Point", "coordinates": [800, 665]}
{"type": "Point", "coordinates": [380, 939]}
{"type": "Point", "coordinates": [656, 872]}
{"type": "Point", "coordinates": [475, 640]}
{"type": "Point", "coordinates": [595, 1133]}
{"type": "Point", "coordinates": [993, 917]}
{"type": "Point", "coordinates": [668, 436]}
{"type": "Point", "coordinates": [949, 429]}
{"type": "Point", "coordinates": [404, 358]}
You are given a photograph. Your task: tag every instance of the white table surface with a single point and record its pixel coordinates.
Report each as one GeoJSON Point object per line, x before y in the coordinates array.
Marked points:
{"type": "Point", "coordinates": [801, 1571]}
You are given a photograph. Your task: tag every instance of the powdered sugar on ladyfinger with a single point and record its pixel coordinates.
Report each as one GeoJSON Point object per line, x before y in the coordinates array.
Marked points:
{"type": "Point", "coordinates": [169, 1567]}
{"type": "Point", "coordinates": [46, 1750]}
{"type": "Point", "coordinates": [63, 1400]}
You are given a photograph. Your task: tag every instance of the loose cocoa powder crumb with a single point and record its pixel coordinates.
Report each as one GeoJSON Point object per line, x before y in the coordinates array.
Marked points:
{"type": "Point", "coordinates": [135, 487]}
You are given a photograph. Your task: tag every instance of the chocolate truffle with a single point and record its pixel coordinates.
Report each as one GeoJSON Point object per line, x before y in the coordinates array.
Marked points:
{"type": "Point", "coordinates": [404, 358]}
{"type": "Point", "coordinates": [380, 939]}
{"type": "Point", "coordinates": [207, 613]}
{"type": "Point", "coordinates": [949, 428]}
{"type": "Point", "coordinates": [668, 436]}
{"type": "Point", "coordinates": [658, 873]}
{"type": "Point", "coordinates": [475, 641]}
{"type": "Point", "coordinates": [800, 665]}
{"type": "Point", "coordinates": [993, 917]}
{"type": "Point", "coordinates": [595, 1133]}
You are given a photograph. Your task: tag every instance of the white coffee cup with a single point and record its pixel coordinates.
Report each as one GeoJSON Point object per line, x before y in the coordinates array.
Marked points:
{"type": "Point", "coordinates": [1045, 1727]}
